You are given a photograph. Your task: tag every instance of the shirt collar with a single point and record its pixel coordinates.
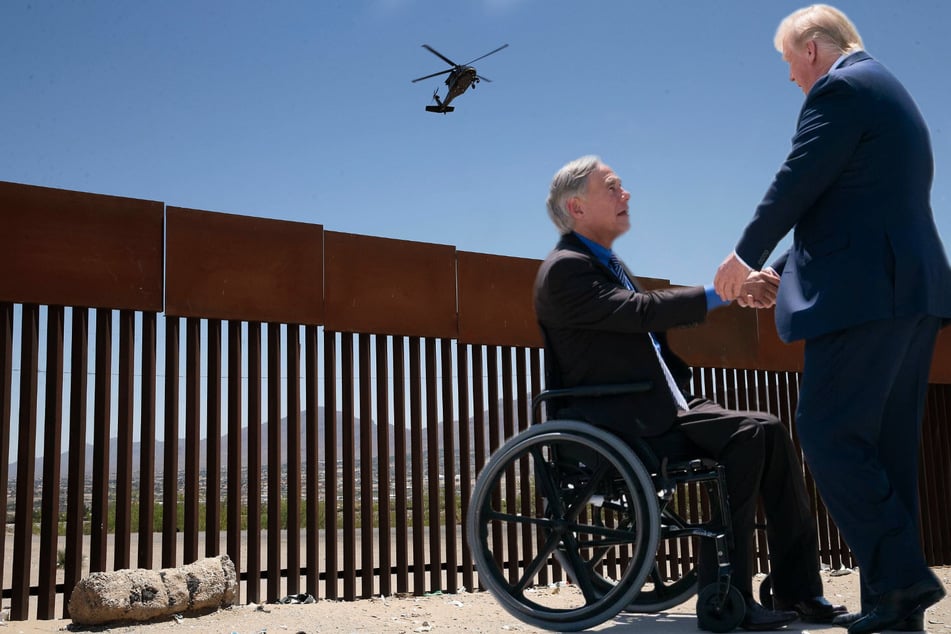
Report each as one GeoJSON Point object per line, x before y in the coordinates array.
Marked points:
{"type": "Point", "coordinates": [603, 254]}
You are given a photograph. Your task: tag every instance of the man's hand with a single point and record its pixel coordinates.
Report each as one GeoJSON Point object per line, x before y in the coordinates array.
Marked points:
{"type": "Point", "coordinates": [730, 277]}
{"type": "Point", "coordinates": [759, 290]}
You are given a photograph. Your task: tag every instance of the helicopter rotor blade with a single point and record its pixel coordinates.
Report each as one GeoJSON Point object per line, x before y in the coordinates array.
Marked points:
{"type": "Point", "coordinates": [484, 56]}
{"type": "Point", "coordinates": [439, 55]}
{"type": "Point", "coordinates": [484, 78]}
{"type": "Point", "coordinates": [442, 72]}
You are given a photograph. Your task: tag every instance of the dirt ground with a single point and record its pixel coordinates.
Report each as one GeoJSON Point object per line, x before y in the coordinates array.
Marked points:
{"type": "Point", "coordinates": [463, 612]}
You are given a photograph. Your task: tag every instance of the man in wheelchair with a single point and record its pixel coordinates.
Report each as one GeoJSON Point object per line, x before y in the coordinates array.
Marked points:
{"type": "Point", "coordinates": [601, 329]}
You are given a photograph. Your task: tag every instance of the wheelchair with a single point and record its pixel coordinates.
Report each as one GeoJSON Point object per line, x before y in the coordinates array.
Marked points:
{"type": "Point", "coordinates": [565, 498]}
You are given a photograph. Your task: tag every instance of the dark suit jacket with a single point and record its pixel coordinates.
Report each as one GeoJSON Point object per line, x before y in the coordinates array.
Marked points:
{"type": "Point", "coordinates": [597, 333]}
{"type": "Point", "coordinates": [856, 187]}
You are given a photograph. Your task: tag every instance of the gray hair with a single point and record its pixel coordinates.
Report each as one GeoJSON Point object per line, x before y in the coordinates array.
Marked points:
{"type": "Point", "coordinates": [571, 180]}
{"type": "Point", "coordinates": [827, 26]}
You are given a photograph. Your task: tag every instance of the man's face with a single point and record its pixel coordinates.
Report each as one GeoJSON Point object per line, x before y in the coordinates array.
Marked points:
{"type": "Point", "coordinates": [601, 214]}
{"type": "Point", "coordinates": [803, 65]}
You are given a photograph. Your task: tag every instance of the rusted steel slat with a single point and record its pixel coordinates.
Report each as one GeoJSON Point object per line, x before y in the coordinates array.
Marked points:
{"type": "Point", "coordinates": [6, 401]}
{"type": "Point", "coordinates": [466, 475]}
{"type": "Point", "coordinates": [192, 437]}
{"type": "Point", "coordinates": [525, 473]}
{"type": "Point", "coordinates": [743, 389]}
{"type": "Point", "coordinates": [311, 423]}
{"type": "Point", "coordinates": [293, 459]}
{"type": "Point", "coordinates": [492, 381]}
{"type": "Point", "coordinates": [147, 446]}
{"type": "Point", "coordinates": [347, 473]}
{"type": "Point", "coordinates": [170, 444]}
{"type": "Point", "coordinates": [274, 461]}
{"type": "Point", "coordinates": [330, 463]}
{"type": "Point", "coordinates": [213, 440]}
{"type": "Point", "coordinates": [400, 485]}
{"type": "Point", "coordinates": [729, 388]}
{"type": "Point", "coordinates": [451, 521]}
{"type": "Point", "coordinates": [367, 499]}
{"type": "Point", "coordinates": [100, 449]}
{"type": "Point", "coordinates": [508, 430]}
{"type": "Point", "coordinates": [52, 447]}
{"type": "Point", "coordinates": [416, 462]}
{"type": "Point", "coordinates": [535, 369]}
{"type": "Point", "coordinates": [478, 410]}
{"type": "Point", "coordinates": [235, 446]}
{"type": "Point", "coordinates": [719, 384]}
{"type": "Point", "coordinates": [255, 413]}
{"type": "Point", "coordinates": [126, 422]}
{"type": "Point", "coordinates": [76, 479]}
{"type": "Point", "coordinates": [709, 388]}
{"type": "Point", "coordinates": [26, 463]}
{"type": "Point", "coordinates": [383, 464]}
{"type": "Point", "coordinates": [433, 424]}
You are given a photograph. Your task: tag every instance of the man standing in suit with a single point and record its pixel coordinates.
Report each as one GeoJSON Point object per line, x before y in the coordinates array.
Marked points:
{"type": "Point", "coordinates": [867, 285]}
{"type": "Point", "coordinates": [599, 328]}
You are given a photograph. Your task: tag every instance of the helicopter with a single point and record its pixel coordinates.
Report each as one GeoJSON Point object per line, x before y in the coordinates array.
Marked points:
{"type": "Point", "coordinates": [461, 77]}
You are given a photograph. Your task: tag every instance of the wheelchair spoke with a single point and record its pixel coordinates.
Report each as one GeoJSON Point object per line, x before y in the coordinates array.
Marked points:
{"type": "Point", "coordinates": [577, 569]}
{"type": "Point", "coordinates": [539, 562]}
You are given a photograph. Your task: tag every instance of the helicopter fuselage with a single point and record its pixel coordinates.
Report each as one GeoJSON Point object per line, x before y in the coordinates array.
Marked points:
{"type": "Point", "coordinates": [459, 81]}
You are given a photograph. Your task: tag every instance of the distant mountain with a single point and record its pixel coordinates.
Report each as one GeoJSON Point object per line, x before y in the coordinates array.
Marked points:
{"type": "Point", "coordinates": [203, 450]}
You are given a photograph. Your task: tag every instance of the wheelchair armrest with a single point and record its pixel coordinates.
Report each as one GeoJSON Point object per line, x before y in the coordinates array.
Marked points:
{"type": "Point", "coordinates": [613, 389]}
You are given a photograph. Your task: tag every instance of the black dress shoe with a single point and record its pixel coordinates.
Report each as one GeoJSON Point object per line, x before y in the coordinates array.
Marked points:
{"type": "Point", "coordinates": [914, 623]}
{"type": "Point", "coordinates": [897, 605]}
{"type": "Point", "coordinates": [759, 619]}
{"type": "Point", "coordinates": [817, 610]}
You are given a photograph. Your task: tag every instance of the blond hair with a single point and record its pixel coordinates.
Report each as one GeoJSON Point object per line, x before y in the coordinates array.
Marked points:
{"type": "Point", "coordinates": [827, 26]}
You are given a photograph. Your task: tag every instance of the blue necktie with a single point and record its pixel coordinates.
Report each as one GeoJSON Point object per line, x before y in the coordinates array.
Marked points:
{"type": "Point", "coordinates": [671, 383]}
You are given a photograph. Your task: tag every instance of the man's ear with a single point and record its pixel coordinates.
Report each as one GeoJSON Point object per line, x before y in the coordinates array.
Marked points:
{"type": "Point", "coordinates": [574, 207]}
{"type": "Point", "coordinates": [812, 51]}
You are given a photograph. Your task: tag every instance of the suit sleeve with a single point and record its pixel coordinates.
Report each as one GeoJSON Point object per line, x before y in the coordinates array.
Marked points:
{"type": "Point", "coordinates": [829, 129]}
{"type": "Point", "coordinates": [580, 295]}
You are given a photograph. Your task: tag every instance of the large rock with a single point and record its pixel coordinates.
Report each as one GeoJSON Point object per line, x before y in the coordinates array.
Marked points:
{"type": "Point", "coordinates": [145, 595]}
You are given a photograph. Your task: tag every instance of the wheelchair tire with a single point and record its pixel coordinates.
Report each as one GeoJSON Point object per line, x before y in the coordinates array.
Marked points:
{"type": "Point", "coordinates": [714, 615]}
{"type": "Point", "coordinates": [563, 497]}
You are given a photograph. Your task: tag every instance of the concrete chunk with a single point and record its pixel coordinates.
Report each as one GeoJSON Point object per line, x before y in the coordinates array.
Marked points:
{"type": "Point", "coordinates": [145, 595]}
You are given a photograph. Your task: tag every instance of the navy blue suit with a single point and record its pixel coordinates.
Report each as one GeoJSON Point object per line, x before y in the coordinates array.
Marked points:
{"type": "Point", "coordinates": [866, 283]}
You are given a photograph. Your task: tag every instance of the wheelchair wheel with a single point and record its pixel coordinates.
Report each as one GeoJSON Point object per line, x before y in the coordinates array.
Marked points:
{"type": "Point", "coordinates": [720, 608]}
{"type": "Point", "coordinates": [563, 497]}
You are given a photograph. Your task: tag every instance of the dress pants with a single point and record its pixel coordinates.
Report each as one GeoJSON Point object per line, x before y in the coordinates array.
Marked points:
{"type": "Point", "coordinates": [761, 464]}
{"type": "Point", "coordinates": [861, 404]}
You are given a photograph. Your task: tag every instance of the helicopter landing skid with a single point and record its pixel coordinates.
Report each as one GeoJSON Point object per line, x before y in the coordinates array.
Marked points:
{"type": "Point", "coordinates": [442, 109]}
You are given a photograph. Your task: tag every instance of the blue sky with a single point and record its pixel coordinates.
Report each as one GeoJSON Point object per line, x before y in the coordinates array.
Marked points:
{"type": "Point", "coordinates": [305, 111]}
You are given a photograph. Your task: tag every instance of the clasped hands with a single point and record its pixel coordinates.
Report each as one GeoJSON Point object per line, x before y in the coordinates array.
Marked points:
{"type": "Point", "coordinates": [751, 289]}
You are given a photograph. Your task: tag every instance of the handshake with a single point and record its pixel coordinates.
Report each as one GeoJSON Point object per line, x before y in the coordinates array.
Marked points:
{"type": "Point", "coordinates": [751, 289]}
{"type": "Point", "coordinates": [759, 290]}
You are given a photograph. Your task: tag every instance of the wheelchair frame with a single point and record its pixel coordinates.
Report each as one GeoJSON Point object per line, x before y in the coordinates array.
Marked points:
{"type": "Point", "coordinates": [567, 497]}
